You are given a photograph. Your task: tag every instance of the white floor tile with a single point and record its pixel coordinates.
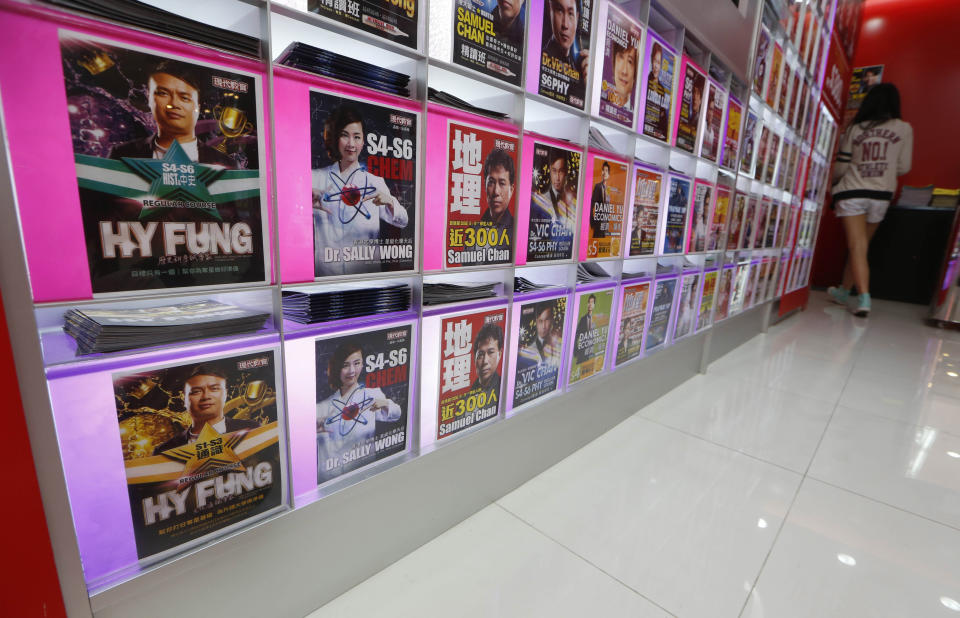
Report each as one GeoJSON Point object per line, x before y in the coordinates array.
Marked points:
{"type": "Point", "coordinates": [910, 401]}
{"type": "Point", "coordinates": [846, 556]}
{"type": "Point", "coordinates": [684, 522]}
{"type": "Point", "coordinates": [773, 425]}
{"type": "Point", "coordinates": [907, 466]}
{"type": "Point", "coordinates": [490, 565]}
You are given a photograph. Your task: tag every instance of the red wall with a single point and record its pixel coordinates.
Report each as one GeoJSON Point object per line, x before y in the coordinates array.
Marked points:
{"type": "Point", "coordinates": [30, 586]}
{"type": "Point", "coordinates": [916, 41]}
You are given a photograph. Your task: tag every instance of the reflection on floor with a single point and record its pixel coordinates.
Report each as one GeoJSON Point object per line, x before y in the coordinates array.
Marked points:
{"type": "Point", "coordinates": [812, 472]}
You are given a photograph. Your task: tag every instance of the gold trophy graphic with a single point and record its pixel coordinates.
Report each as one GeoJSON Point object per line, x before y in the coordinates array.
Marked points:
{"type": "Point", "coordinates": [231, 120]}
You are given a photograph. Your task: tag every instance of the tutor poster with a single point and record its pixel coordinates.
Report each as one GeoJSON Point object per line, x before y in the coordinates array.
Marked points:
{"type": "Point", "coordinates": [590, 337]}
{"type": "Point", "coordinates": [168, 165]}
{"type": "Point", "coordinates": [749, 142]}
{"type": "Point", "coordinates": [692, 85]}
{"type": "Point", "coordinates": [539, 349]}
{"type": "Point", "coordinates": [363, 170]}
{"type": "Point", "coordinates": [678, 202]}
{"type": "Point", "coordinates": [663, 293]}
{"type": "Point", "coordinates": [633, 315]}
{"type": "Point", "coordinates": [621, 61]}
{"type": "Point", "coordinates": [718, 221]}
{"type": "Point", "coordinates": [761, 60]}
{"type": "Point", "coordinates": [607, 203]}
{"type": "Point", "coordinates": [646, 211]}
{"type": "Point", "coordinates": [736, 221]}
{"type": "Point", "coordinates": [661, 64]}
{"type": "Point", "coordinates": [481, 205]}
{"type": "Point", "coordinates": [488, 37]}
{"type": "Point", "coordinates": [699, 217]}
{"type": "Point", "coordinates": [395, 20]}
{"type": "Point", "coordinates": [688, 311]}
{"type": "Point", "coordinates": [731, 140]}
{"type": "Point", "coordinates": [713, 123]}
{"type": "Point", "coordinates": [363, 399]}
{"type": "Point", "coordinates": [565, 54]}
{"type": "Point", "coordinates": [706, 299]}
{"type": "Point", "coordinates": [471, 366]}
{"type": "Point", "coordinates": [724, 292]}
{"type": "Point", "coordinates": [553, 202]}
{"type": "Point", "coordinates": [201, 447]}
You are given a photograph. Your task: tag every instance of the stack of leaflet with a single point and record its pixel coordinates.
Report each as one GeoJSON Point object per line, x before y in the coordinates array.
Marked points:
{"type": "Point", "coordinates": [439, 96]}
{"type": "Point", "coordinates": [521, 284]}
{"type": "Point", "coordinates": [442, 293]}
{"type": "Point", "coordinates": [149, 17]}
{"type": "Point", "coordinates": [595, 139]}
{"type": "Point", "coordinates": [328, 64]}
{"type": "Point", "coordinates": [588, 272]}
{"type": "Point", "coordinates": [110, 330]}
{"type": "Point", "coordinates": [310, 306]}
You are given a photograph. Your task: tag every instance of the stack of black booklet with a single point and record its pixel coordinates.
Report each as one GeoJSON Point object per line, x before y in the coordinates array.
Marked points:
{"type": "Point", "coordinates": [588, 271]}
{"type": "Point", "coordinates": [439, 96]}
{"type": "Point", "coordinates": [310, 306]}
{"type": "Point", "coordinates": [522, 284]}
{"type": "Point", "coordinates": [442, 293]}
{"type": "Point", "coordinates": [110, 330]}
{"type": "Point", "coordinates": [328, 64]}
{"type": "Point", "coordinates": [143, 15]}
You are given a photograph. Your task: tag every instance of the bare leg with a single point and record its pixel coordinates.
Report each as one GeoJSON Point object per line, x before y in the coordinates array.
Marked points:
{"type": "Point", "coordinates": [857, 242]}
{"type": "Point", "coordinates": [847, 281]}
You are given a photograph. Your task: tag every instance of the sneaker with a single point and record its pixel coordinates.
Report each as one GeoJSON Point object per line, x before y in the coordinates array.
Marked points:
{"type": "Point", "coordinates": [861, 308]}
{"type": "Point", "coordinates": [839, 295]}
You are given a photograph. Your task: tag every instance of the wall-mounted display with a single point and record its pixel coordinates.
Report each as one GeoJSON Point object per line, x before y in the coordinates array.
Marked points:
{"type": "Point", "coordinates": [363, 161]}
{"type": "Point", "coordinates": [594, 314]}
{"type": "Point", "coordinates": [395, 21]}
{"type": "Point", "coordinates": [660, 64]}
{"type": "Point", "coordinates": [645, 219]}
{"type": "Point", "coordinates": [488, 37]}
{"type": "Point", "coordinates": [168, 159]}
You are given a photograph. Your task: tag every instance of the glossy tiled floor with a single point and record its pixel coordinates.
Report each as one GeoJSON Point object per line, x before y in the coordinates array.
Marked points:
{"type": "Point", "coordinates": [812, 472]}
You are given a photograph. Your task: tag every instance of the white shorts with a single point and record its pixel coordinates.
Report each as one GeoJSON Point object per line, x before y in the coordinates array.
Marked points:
{"type": "Point", "coordinates": [874, 209]}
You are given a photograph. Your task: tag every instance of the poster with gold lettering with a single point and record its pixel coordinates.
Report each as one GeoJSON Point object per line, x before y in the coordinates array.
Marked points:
{"type": "Point", "coordinates": [168, 160]}
{"type": "Point", "coordinates": [608, 198]}
{"type": "Point", "coordinates": [564, 50]}
{"type": "Point", "coordinates": [201, 446]}
{"type": "Point", "coordinates": [594, 314]}
{"type": "Point", "coordinates": [363, 175]}
{"type": "Point", "coordinates": [394, 20]}
{"type": "Point", "coordinates": [488, 37]}
{"type": "Point", "coordinates": [481, 200]}
{"type": "Point", "coordinates": [471, 370]}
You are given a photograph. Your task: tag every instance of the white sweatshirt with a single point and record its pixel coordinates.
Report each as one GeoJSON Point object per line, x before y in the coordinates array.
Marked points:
{"type": "Point", "coordinates": [871, 158]}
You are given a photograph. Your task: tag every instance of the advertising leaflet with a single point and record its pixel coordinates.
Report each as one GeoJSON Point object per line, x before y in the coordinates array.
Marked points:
{"type": "Point", "coordinates": [760, 295]}
{"type": "Point", "coordinates": [699, 216]}
{"type": "Point", "coordinates": [646, 211]}
{"type": "Point", "coordinates": [736, 221]}
{"type": "Point", "coordinates": [784, 91]}
{"type": "Point", "coordinates": [678, 203]}
{"type": "Point", "coordinates": [762, 147]}
{"type": "Point", "coordinates": [539, 349]}
{"type": "Point", "coordinates": [663, 293]}
{"type": "Point", "coordinates": [749, 142]}
{"type": "Point", "coordinates": [608, 198]}
{"type": "Point", "coordinates": [633, 316]}
{"type": "Point", "coordinates": [749, 223]}
{"type": "Point", "coordinates": [688, 311]}
{"type": "Point", "coordinates": [660, 63]}
{"type": "Point", "coordinates": [761, 60]}
{"type": "Point", "coordinates": [589, 350]}
{"type": "Point", "coordinates": [553, 202]}
{"type": "Point", "coordinates": [724, 292]}
{"type": "Point", "coordinates": [481, 183]}
{"type": "Point", "coordinates": [693, 83]}
{"type": "Point", "coordinates": [771, 161]}
{"type": "Point", "coordinates": [763, 212]}
{"type": "Point", "coordinates": [488, 37]}
{"type": "Point", "coordinates": [731, 141]}
{"type": "Point", "coordinates": [750, 295]}
{"type": "Point", "coordinates": [716, 239]}
{"type": "Point", "coordinates": [776, 67]}
{"type": "Point", "coordinates": [773, 216]}
{"type": "Point", "coordinates": [706, 299]}
{"type": "Point", "coordinates": [564, 57]}
{"type": "Point", "coordinates": [363, 399]}
{"type": "Point", "coordinates": [395, 20]}
{"type": "Point", "coordinates": [168, 162]}
{"type": "Point", "coordinates": [739, 288]}
{"type": "Point", "coordinates": [201, 446]}
{"type": "Point", "coordinates": [794, 100]}
{"type": "Point", "coordinates": [713, 123]}
{"type": "Point", "coordinates": [471, 365]}
{"type": "Point", "coordinates": [616, 93]}
{"type": "Point", "coordinates": [363, 175]}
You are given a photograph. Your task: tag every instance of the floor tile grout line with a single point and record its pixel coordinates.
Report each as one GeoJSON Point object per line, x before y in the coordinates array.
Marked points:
{"type": "Point", "coordinates": [884, 503]}
{"type": "Point", "coordinates": [590, 562]}
{"type": "Point", "coordinates": [899, 421]}
{"type": "Point", "coordinates": [796, 494]}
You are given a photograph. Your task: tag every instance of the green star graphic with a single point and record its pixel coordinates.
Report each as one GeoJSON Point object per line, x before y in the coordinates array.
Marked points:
{"type": "Point", "coordinates": [176, 178]}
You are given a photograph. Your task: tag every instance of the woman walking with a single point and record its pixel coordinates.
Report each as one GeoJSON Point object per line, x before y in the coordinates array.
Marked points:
{"type": "Point", "coordinates": [876, 149]}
